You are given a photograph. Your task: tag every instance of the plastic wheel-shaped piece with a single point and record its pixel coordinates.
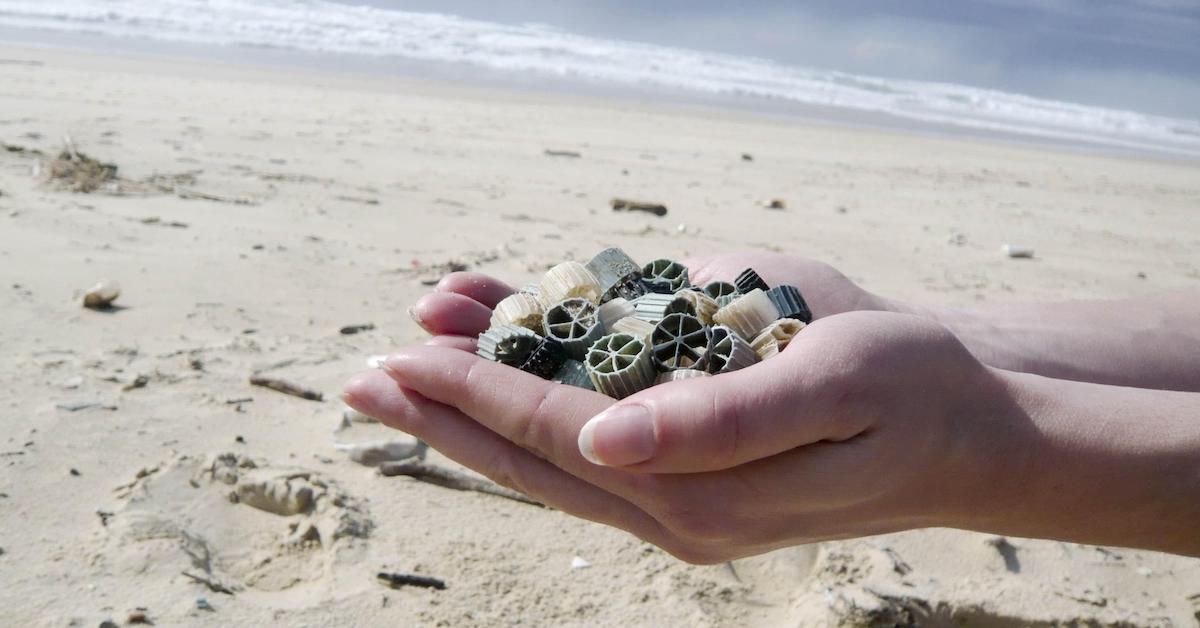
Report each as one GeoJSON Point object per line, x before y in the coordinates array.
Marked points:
{"type": "Point", "coordinates": [728, 352]}
{"type": "Point", "coordinates": [655, 307]}
{"type": "Point", "coordinates": [718, 289]}
{"type": "Point", "coordinates": [618, 274]}
{"type": "Point", "coordinates": [575, 324]}
{"type": "Point", "coordinates": [508, 344]}
{"type": "Point", "coordinates": [545, 360]}
{"type": "Point", "coordinates": [665, 276]}
{"type": "Point", "coordinates": [776, 337]}
{"type": "Point", "coordinates": [790, 303]}
{"type": "Point", "coordinates": [620, 365]}
{"type": "Point", "coordinates": [749, 314]}
{"type": "Point", "coordinates": [678, 342]}
{"type": "Point", "coordinates": [704, 305]}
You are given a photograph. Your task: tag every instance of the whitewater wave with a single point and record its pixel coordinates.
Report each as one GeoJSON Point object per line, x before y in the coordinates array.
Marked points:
{"type": "Point", "coordinates": [322, 26]}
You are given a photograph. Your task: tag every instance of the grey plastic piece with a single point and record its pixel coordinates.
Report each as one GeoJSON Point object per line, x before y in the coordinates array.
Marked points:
{"type": "Point", "coordinates": [680, 341]}
{"type": "Point", "coordinates": [574, 373]}
{"type": "Point", "coordinates": [728, 352]}
{"type": "Point", "coordinates": [575, 324]}
{"type": "Point", "coordinates": [718, 289]}
{"type": "Point", "coordinates": [508, 344]}
{"type": "Point", "coordinates": [727, 299]}
{"type": "Point", "coordinates": [545, 360]}
{"type": "Point", "coordinates": [655, 307]}
{"type": "Point", "coordinates": [618, 274]}
{"type": "Point", "coordinates": [665, 276]}
{"type": "Point", "coordinates": [620, 365]}
{"type": "Point", "coordinates": [613, 311]}
{"type": "Point", "coordinates": [749, 280]}
{"type": "Point", "coordinates": [790, 303]}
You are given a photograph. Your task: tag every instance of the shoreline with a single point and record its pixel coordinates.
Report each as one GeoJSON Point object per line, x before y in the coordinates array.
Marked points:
{"type": "Point", "coordinates": [366, 72]}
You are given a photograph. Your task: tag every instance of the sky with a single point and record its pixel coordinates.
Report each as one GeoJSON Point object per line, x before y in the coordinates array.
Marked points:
{"type": "Point", "coordinates": [1132, 54]}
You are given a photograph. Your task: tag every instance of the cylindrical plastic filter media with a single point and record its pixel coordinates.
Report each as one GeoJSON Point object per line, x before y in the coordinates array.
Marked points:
{"type": "Point", "coordinates": [748, 315]}
{"type": "Point", "coordinates": [620, 365]}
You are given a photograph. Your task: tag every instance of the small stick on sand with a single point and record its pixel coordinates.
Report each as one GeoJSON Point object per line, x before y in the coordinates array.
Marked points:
{"type": "Point", "coordinates": [397, 580]}
{"type": "Point", "coordinates": [447, 478]}
{"type": "Point", "coordinates": [626, 205]}
{"type": "Point", "coordinates": [550, 152]}
{"type": "Point", "coordinates": [286, 387]}
{"type": "Point", "coordinates": [215, 587]}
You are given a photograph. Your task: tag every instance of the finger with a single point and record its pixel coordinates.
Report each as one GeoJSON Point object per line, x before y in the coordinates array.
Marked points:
{"type": "Point", "coordinates": [466, 441]}
{"type": "Point", "coordinates": [721, 422]}
{"type": "Point", "coordinates": [450, 313]}
{"type": "Point", "coordinates": [483, 288]}
{"type": "Point", "coordinates": [698, 270]}
{"type": "Point", "coordinates": [462, 343]}
{"type": "Point", "coordinates": [533, 413]}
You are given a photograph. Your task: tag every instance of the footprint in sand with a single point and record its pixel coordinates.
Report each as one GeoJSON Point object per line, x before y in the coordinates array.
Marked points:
{"type": "Point", "coordinates": [233, 522]}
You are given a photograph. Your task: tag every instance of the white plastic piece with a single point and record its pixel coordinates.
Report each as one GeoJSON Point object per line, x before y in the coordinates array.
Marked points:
{"type": "Point", "coordinates": [579, 563]}
{"type": "Point", "coordinates": [376, 453]}
{"type": "Point", "coordinates": [102, 294]}
{"type": "Point", "coordinates": [568, 280]}
{"type": "Point", "coordinates": [1017, 252]}
{"type": "Point", "coordinates": [748, 315]}
{"type": "Point", "coordinates": [376, 361]}
{"type": "Point", "coordinates": [613, 311]}
{"type": "Point", "coordinates": [520, 309]}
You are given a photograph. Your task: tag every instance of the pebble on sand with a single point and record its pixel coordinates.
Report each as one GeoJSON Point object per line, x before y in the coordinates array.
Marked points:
{"type": "Point", "coordinates": [102, 294]}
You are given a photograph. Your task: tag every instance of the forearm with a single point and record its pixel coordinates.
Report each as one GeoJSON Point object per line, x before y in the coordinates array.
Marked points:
{"type": "Point", "coordinates": [1146, 343]}
{"type": "Point", "coordinates": [1096, 464]}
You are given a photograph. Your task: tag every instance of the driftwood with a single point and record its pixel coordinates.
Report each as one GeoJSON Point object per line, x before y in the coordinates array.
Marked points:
{"type": "Point", "coordinates": [455, 480]}
{"type": "Point", "coordinates": [286, 387]}
{"type": "Point", "coordinates": [215, 587]}
{"type": "Point", "coordinates": [397, 580]}
{"type": "Point", "coordinates": [626, 205]}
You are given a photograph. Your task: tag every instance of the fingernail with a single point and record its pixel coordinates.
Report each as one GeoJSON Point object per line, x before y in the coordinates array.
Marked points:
{"type": "Point", "coordinates": [621, 436]}
{"type": "Point", "coordinates": [412, 313]}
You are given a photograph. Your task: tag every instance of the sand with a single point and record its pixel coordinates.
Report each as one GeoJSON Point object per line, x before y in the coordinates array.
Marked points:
{"type": "Point", "coordinates": [260, 210]}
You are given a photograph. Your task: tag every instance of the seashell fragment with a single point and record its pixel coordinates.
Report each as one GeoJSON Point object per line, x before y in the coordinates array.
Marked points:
{"type": "Point", "coordinates": [102, 294]}
{"type": "Point", "coordinates": [545, 360]}
{"type": "Point", "coordinates": [574, 373]}
{"type": "Point", "coordinates": [620, 365]}
{"type": "Point", "coordinates": [613, 311]}
{"type": "Point", "coordinates": [573, 323]}
{"type": "Point", "coordinates": [618, 274]}
{"type": "Point", "coordinates": [508, 344]}
{"type": "Point", "coordinates": [748, 315]}
{"type": "Point", "coordinates": [654, 307]}
{"type": "Point", "coordinates": [704, 305]}
{"type": "Point", "coordinates": [568, 280]}
{"type": "Point", "coordinates": [665, 276]}
{"type": "Point", "coordinates": [679, 341]}
{"type": "Point", "coordinates": [634, 327]}
{"type": "Point", "coordinates": [749, 280]}
{"type": "Point", "coordinates": [680, 375]}
{"type": "Point", "coordinates": [728, 352]}
{"type": "Point", "coordinates": [520, 309]}
{"type": "Point", "coordinates": [776, 336]}
{"type": "Point", "coordinates": [718, 289]}
{"type": "Point", "coordinates": [790, 303]}
{"type": "Point", "coordinates": [376, 453]}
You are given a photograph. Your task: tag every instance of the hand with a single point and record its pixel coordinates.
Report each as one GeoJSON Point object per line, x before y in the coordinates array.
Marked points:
{"type": "Point", "coordinates": [460, 307]}
{"type": "Point", "coordinates": [867, 423]}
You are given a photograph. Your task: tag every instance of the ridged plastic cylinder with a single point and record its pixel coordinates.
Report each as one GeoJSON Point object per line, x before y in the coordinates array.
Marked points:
{"type": "Point", "coordinates": [728, 352]}
{"type": "Point", "coordinates": [613, 311]}
{"type": "Point", "coordinates": [665, 276]}
{"type": "Point", "coordinates": [633, 326]}
{"type": "Point", "coordinates": [568, 280]}
{"type": "Point", "coordinates": [545, 360]}
{"type": "Point", "coordinates": [749, 315]}
{"type": "Point", "coordinates": [679, 341]}
{"type": "Point", "coordinates": [508, 344]}
{"type": "Point", "coordinates": [790, 303]}
{"type": "Point", "coordinates": [775, 338]}
{"type": "Point", "coordinates": [704, 305]}
{"type": "Point", "coordinates": [680, 375]}
{"type": "Point", "coordinates": [749, 280]}
{"type": "Point", "coordinates": [574, 324]}
{"type": "Point", "coordinates": [619, 276]}
{"type": "Point", "coordinates": [718, 289]}
{"type": "Point", "coordinates": [520, 309]}
{"type": "Point", "coordinates": [574, 373]}
{"type": "Point", "coordinates": [655, 307]}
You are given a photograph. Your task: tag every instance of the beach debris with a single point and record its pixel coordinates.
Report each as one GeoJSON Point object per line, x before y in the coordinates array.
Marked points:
{"type": "Point", "coordinates": [400, 580]}
{"type": "Point", "coordinates": [521, 309]}
{"type": "Point", "coordinates": [286, 387]}
{"type": "Point", "coordinates": [138, 382]}
{"type": "Point", "coordinates": [77, 172]}
{"type": "Point", "coordinates": [574, 324]}
{"type": "Point", "coordinates": [138, 616]}
{"type": "Point", "coordinates": [679, 341]}
{"type": "Point", "coordinates": [213, 585]}
{"type": "Point", "coordinates": [578, 562]}
{"type": "Point", "coordinates": [627, 205]}
{"type": "Point", "coordinates": [375, 453]}
{"type": "Point", "coordinates": [454, 480]}
{"type": "Point", "coordinates": [550, 152]}
{"type": "Point", "coordinates": [239, 401]}
{"type": "Point", "coordinates": [155, 220]}
{"type": "Point", "coordinates": [108, 623]}
{"type": "Point", "coordinates": [203, 605]}
{"type": "Point", "coordinates": [75, 472]}
{"type": "Point", "coordinates": [621, 365]}
{"type": "Point", "coordinates": [350, 330]}
{"type": "Point", "coordinates": [72, 383]}
{"type": "Point", "coordinates": [76, 406]}
{"type": "Point", "coordinates": [777, 203]}
{"type": "Point", "coordinates": [1015, 251]}
{"type": "Point", "coordinates": [102, 295]}
{"type": "Point", "coordinates": [626, 345]}
{"type": "Point", "coordinates": [747, 157]}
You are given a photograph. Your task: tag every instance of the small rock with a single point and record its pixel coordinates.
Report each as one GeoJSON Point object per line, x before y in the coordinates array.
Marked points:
{"type": "Point", "coordinates": [138, 382]}
{"type": "Point", "coordinates": [777, 203]}
{"type": "Point", "coordinates": [75, 472]}
{"type": "Point", "coordinates": [108, 623]}
{"type": "Point", "coordinates": [73, 383]}
{"type": "Point", "coordinates": [239, 439]}
{"type": "Point", "coordinates": [747, 157]}
{"type": "Point", "coordinates": [350, 330]}
{"type": "Point", "coordinates": [203, 605]}
{"type": "Point", "coordinates": [1141, 275]}
{"type": "Point", "coordinates": [102, 295]}
{"type": "Point", "coordinates": [579, 563]}
{"type": "Point", "coordinates": [137, 617]}
{"type": "Point", "coordinates": [1017, 252]}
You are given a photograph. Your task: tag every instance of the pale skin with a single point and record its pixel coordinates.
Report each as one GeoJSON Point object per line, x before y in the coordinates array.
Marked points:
{"type": "Point", "coordinates": [1078, 422]}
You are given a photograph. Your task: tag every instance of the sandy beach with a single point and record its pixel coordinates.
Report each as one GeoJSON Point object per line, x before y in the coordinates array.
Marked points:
{"type": "Point", "coordinates": [260, 210]}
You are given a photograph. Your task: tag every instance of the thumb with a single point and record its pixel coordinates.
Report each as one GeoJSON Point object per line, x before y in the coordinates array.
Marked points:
{"type": "Point", "coordinates": [714, 423]}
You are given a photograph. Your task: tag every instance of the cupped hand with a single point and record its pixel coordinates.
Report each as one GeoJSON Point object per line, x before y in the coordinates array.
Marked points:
{"type": "Point", "coordinates": [867, 423]}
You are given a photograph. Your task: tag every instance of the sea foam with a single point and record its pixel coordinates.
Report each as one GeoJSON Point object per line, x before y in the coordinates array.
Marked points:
{"type": "Point", "coordinates": [319, 26]}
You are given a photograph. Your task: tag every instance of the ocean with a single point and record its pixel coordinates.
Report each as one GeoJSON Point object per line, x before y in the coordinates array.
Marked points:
{"type": "Point", "coordinates": [325, 27]}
